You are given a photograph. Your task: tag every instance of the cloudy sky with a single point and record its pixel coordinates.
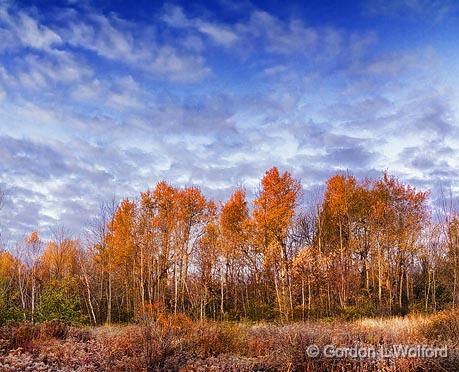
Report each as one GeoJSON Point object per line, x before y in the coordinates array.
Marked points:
{"type": "Point", "coordinates": [104, 98]}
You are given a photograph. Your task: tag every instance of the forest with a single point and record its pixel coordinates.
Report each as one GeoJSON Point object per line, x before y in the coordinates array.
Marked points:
{"type": "Point", "coordinates": [361, 248]}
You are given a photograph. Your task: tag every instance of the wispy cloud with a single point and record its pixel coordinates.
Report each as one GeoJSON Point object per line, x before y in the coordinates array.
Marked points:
{"type": "Point", "coordinates": [427, 10]}
{"type": "Point", "coordinates": [20, 28]}
{"type": "Point", "coordinates": [96, 103]}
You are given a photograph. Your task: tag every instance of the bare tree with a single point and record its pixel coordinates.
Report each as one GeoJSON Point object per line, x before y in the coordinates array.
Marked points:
{"type": "Point", "coordinates": [447, 215]}
{"type": "Point", "coordinates": [83, 262]}
{"type": "Point", "coordinates": [35, 245]}
{"type": "Point", "coordinates": [97, 238]}
{"type": "Point", "coordinates": [22, 276]}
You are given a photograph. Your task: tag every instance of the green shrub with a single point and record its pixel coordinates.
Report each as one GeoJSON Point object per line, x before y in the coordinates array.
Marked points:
{"type": "Point", "coordinates": [59, 301]}
{"type": "Point", "coordinates": [363, 308]}
{"type": "Point", "coordinates": [10, 314]}
{"type": "Point", "coordinates": [259, 310]}
{"type": "Point", "coordinates": [9, 311]}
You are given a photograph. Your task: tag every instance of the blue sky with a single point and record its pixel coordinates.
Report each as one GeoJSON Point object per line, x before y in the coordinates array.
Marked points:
{"type": "Point", "coordinates": [107, 98]}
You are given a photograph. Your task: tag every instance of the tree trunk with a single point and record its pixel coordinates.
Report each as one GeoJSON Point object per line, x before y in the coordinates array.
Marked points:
{"type": "Point", "coordinates": [109, 299]}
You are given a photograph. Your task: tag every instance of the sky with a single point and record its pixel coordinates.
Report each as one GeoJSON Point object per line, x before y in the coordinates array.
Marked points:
{"type": "Point", "coordinates": [103, 99]}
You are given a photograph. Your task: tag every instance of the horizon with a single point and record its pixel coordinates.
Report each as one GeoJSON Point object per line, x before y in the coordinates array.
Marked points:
{"type": "Point", "coordinates": [99, 99]}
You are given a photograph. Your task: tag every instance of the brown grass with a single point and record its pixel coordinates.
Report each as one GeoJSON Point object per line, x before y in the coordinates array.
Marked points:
{"type": "Point", "coordinates": [175, 343]}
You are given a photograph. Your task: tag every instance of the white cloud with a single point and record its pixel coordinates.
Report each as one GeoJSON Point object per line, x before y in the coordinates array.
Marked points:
{"type": "Point", "coordinates": [109, 38]}
{"type": "Point", "coordinates": [35, 35]}
{"type": "Point", "coordinates": [26, 30]}
{"type": "Point", "coordinates": [178, 67]}
{"type": "Point", "coordinates": [221, 34]}
{"type": "Point", "coordinates": [61, 67]}
{"type": "Point", "coordinates": [218, 33]}
{"type": "Point", "coordinates": [429, 10]}
{"type": "Point", "coordinates": [98, 109]}
{"type": "Point", "coordinates": [280, 37]}
{"type": "Point", "coordinates": [263, 32]}
{"type": "Point", "coordinates": [87, 91]}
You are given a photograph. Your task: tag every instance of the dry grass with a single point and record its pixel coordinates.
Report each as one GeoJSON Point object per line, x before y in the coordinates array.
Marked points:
{"type": "Point", "coordinates": [175, 343]}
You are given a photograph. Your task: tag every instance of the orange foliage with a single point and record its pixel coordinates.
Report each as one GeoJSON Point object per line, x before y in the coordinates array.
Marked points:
{"type": "Point", "coordinates": [275, 206]}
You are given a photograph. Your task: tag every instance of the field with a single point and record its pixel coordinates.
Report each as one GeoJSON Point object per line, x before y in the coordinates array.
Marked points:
{"type": "Point", "coordinates": [175, 343]}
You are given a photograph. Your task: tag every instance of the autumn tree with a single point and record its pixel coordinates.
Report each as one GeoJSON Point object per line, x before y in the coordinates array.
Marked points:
{"type": "Point", "coordinates": [361, 247]}
{"type": "Point", "coordinates": [99, 262]}
{"type": "Point", "coordinates": [234, 226]}
{"type": "Point", "coordinates": [9, 307]}
{"type": "Point", "coordinates": [337, 209]}
{"type": "Point", "coordinates": [59, 259]}
{"type": "Point", "coordinates": [194, 212]}
{"type": "Point", "coordinates": [453, 256]}
{"type": "Point", "coordinates": [121, 250]}
{"type": "Point", "coordinates": [274, 209]}
{"type": "Point", "coordinates": [164, 220]}
{"type": "Point", "coordinates": [206, 258]}
{"type": "Point", "coordinates": [59, 268]}
{"type": "Point", "coordinates": [405, 216]}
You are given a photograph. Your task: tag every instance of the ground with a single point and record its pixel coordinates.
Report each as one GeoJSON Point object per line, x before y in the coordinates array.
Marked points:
{"type": "Point", "coordinates": [175, 343]}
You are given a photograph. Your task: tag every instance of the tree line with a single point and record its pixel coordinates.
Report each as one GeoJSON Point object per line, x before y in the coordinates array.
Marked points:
{"type": "Point", "coordinates": [361, 248]}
